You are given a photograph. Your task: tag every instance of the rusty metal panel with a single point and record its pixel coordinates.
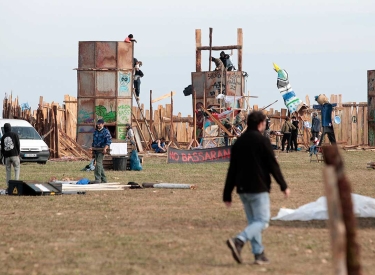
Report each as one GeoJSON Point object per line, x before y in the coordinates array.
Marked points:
{"type": "Point", "coordinates": [371, 107]}
{"type": "Point", "coordinates": [85, 139]}
{"type": "Point", "coordinates": [105, 109]}
{"type": "Point", "coordinates": [234, 83]}
{"type": "Point", "coordinates": [86, 84]}
{"type": "Point", "coordinates": [125, 83]}
{"type": "Point", "coordinates": [124, 111]}
{"type": "Point", "coordinates": [215, 85]}
{"type": "Point", "coordinates": [86, 110]}
{"type": "Point", "coordinates": [86, 54]}
{"type": "Point", "coordinates": [125, 55]}
{"type": "Point", "coordinates": [106, 54]}
{"type": "Point", "coordinates": [86, 129]}
{"type": "Point", "coordinates": [105, 83]}
{"type": "Point", "coordinates": [198, 80]}
{"type": "Point", "coordinates": [121, 132]}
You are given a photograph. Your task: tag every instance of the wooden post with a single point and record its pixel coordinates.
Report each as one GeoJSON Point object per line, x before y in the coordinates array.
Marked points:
{"type": "Point", "coordinates": [333, 158]}
{"type": "Point", "coordinates": [151, 113]}
{"type": "Point", "coordinates": [335, 222]}
{"type": "Point", "coordinates": [210, 50]}
{"type": "Point", "coordinates": [239, 43]}
{"type": "Point", "coordinates": [198, 53]}
{"type": "Point", "coordinates": [171, 138]}
{"type": "Point", "coordinates": [194, 115]}
{"type": "Point", "coordinates": [56, 132]}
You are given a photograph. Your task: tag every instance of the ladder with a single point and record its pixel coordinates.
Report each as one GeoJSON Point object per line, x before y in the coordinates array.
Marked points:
{"type": "Point", "coordinates": [143, 117]}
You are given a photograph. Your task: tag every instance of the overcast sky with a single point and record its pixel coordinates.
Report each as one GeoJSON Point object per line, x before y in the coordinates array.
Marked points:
{"type": "Point", "coordinates": [326, 46]}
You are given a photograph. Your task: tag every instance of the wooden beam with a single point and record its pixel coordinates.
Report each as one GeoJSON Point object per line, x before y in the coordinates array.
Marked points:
{"type": "Point", "coordinates": [198, 52]}
{"type": "Point", "coordinates": [335, 221]}
{"type": "Point", "coordinates": [163, 97]}
{"type": "Point", "coordinates": [239, 43]}
{"type": "Point", "coordinates": [219, 48]}
{"type": "Point", "coordinates": [217, 122]}
{"type": "Point", "coordinates": [151, 112]}
{"type": "Point", "coordinates": [332, 157]}
{"type": "Point", "coordinates": [210, 38]}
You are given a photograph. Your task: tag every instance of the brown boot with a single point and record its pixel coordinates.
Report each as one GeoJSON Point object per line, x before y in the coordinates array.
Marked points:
{"type": "Point", "coordinates": [261, 259]}
{"type": "Point", "coordinates": [235, 245]}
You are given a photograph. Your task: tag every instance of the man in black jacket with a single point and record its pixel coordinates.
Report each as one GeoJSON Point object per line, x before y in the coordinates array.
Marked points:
{"type": "Point", "coordinates": [251, 164]}
{"type": "Point", "coordinates": [10, 150]}
{"type": "Point", "coordinates": [294, 138]}
{"type": "Point", "coordinates": [315, 126]}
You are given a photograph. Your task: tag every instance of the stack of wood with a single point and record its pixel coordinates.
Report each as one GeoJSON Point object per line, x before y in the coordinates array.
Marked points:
{"type": "Point", "coordinates": [56, 124]}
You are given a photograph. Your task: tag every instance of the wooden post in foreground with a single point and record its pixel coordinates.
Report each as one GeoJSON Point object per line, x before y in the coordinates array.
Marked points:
{"type": "Point", "coordinates": [151, 115]}
{"type": "Point", "coordinates": [335, 222]}
{"type": "Point", "coordinates": [333, 158]}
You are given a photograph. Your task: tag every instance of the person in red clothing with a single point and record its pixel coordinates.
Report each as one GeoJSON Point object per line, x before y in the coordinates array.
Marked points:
{"type": "Point", "coordinates": [130, 39]}
{"type": "Point", "coordinates": [252, 161]}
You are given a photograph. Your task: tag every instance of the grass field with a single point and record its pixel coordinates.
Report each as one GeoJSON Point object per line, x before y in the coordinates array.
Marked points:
{"type": "Point", "coordinates": [169, 231]}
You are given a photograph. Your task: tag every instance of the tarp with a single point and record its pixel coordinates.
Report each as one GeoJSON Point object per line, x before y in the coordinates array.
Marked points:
{"type": "Point", "coordinates": [364, 207]}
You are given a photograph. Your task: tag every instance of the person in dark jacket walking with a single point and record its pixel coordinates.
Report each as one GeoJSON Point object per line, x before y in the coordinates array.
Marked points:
{"type": "Point", "coordinates": [287, 129]}
{"type": "Point", "coordinates": [102, 139]}
{"type": "Point", "coordinates": [10, 150]}
{"type": "Point", "coordinates": [315, 126]}
{"type": "Point", "coordinates": [294, 138]}
{"type": "Point", "coordinates": [252, 161]}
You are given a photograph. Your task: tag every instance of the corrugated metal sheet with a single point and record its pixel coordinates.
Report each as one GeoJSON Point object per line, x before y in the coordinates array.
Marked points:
{"type": "Point", "coordinates": [234, 83]}
{"type": "Point", "coordinates": [85, 139]}
{"type": "Point", "coordinates": [86, 54]}
{"type": "Point", "coordinates": [106, 109]}
{"type": "Point", "coordinates": [371, 107]}
{"type": "Point", "coordinates": [86, 83]}
{"type": "Point", "coordinates": [125, 55]}
{"type": "Point", "coordinates": [86, 108]}
{"type": "Point", "coordinates": [106, 54]}
{"type": "Point", "coordinates": [106, 83]}
{"type": "Point", "coordinates": [124, 111]}
{"type": "Point", "coordinates": [124, 83]}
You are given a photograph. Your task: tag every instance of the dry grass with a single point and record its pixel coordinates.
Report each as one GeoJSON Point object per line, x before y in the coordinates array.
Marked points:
{"type": "Point", "coordinates": [168, 231]}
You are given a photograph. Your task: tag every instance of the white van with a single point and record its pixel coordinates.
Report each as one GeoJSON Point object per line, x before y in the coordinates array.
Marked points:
{"type": "Point", "coordinates": [33, 147]}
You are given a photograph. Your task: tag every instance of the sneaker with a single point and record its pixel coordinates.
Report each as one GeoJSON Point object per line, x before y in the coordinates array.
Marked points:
{"type": "Point", "coordinates": [235, 245]}
{"type": "Point", "coordinates": [261, 259]}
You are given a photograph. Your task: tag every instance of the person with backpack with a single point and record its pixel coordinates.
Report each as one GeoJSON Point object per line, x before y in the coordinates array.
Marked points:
{"type": "Point", "coordinates": [10, 150]}
{"type": "Point", "coordinates": [287, 129]}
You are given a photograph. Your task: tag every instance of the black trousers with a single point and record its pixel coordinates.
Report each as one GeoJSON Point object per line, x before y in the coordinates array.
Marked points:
{"type": "Point", "coordinates": [137, 87]}
{"type": "Point", "coordinates": [328, 130]}
{"type": "Point", "coordinates": [286, 137]}
{"type": "Point", "coordinates": [294, 142]}
{"type": "Point", "coordinates": [315, 134]}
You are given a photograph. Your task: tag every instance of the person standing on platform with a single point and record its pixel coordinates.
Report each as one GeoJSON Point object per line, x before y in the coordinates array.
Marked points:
{"type": "Point", "coordinates": [252, 161]}
{"type": "Point", "coordinates": [315, 126]}
{"type": "Point", "coordinates": [218, 63]}
{"type": "Point", "coordinates": [294, 138]}
{"type": "Point", "coordinates": [101, 139]}
{"type": "Point", "coordinates": [287, 129]}
{"type": "Point", "coordinates": [10, 150]}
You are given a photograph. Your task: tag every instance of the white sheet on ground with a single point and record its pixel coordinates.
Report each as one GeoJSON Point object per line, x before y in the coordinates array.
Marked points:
{"type": "Point", "coordinates": [364, 207]}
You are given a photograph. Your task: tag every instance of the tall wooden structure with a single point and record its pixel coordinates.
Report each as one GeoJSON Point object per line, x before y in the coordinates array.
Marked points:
{"type": "Point", "coordinates": [371, 106]}
{"type": "Point", "coordinates": [208, 85]}
{"type": "Point", "coordinates": [104, 84]}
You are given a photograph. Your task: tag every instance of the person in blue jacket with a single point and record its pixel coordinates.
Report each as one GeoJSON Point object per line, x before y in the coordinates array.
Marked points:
{"type": "Point", "coordinates": [326, 109]}
{"type": "Point", "coordinates": [101, 139]}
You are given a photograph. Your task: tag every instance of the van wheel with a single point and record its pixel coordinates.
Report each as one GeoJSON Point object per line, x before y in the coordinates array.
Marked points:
{"type": "Point", "coordinates": [42, 162]}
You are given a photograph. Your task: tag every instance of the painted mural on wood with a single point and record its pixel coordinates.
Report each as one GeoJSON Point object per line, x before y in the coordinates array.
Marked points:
{"type": "Point", "coordinates": [124, 84]}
